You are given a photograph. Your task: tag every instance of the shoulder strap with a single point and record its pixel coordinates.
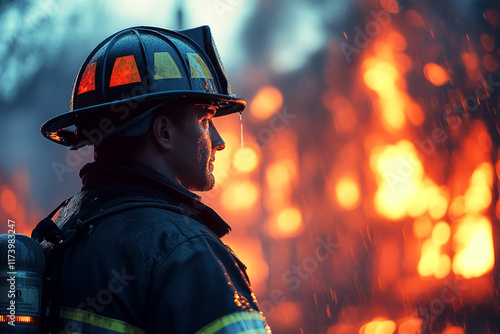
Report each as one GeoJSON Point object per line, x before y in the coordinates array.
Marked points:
{"type": "Point", "coordinates": [46, 228]}
{"type": "Point", "coordinates": [49, 231]}
{"type": "Point", "coordinates": [125, 206]}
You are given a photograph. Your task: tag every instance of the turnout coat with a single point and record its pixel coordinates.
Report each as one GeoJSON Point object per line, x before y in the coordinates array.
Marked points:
{"type": "Point", "coordinates": [141, 254]}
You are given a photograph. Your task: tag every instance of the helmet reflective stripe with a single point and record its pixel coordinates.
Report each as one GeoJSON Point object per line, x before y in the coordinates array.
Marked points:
{"type": "Point", "coordinates": [197, 67]}
{"type": "Point", "coordinates": [124, 71]}
{"type": "Point", "coordinates": [165, 67]}
{"type": "Point", "coordinates": [88, 79]}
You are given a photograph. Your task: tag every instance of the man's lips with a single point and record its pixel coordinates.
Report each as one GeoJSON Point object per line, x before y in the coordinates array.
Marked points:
{"type": "Point", "coordinates": [210, 164]}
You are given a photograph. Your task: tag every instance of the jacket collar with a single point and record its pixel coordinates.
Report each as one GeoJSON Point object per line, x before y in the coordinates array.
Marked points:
{"type": "Point", "coordinates": [100, 175]}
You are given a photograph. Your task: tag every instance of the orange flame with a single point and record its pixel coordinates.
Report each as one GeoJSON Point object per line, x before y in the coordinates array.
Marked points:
{"type": "Point", "coordinates": [378, 326]}
{"type": "Point", "coordinates": [8, 200]}
{"type": "Point", "coordinates": [403, 189]}
{"type": "Point", "coordinates": [474, 247]}
{"type": "Point", "coordinates": [347, 193]}
{"type": "Point", "coordinates": [436, 74]}
{"type": "Point", "coordinates": [266, 102]}
{"type": "Point", "coordinates": [382, 76]}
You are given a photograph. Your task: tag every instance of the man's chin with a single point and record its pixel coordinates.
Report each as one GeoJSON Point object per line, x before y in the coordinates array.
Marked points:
{"type": "Point", "coordinates": [210, 183]}
{"type": "Point", "coordinates": [207, 185]}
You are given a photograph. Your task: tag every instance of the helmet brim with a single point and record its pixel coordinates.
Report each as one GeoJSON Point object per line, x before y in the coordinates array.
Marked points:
{"type": "Point", "coordinates": [59, 129]}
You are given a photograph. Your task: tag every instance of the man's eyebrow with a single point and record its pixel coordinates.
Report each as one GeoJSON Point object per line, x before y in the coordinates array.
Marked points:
{"type": "Point", "coordinates": [206, 109]}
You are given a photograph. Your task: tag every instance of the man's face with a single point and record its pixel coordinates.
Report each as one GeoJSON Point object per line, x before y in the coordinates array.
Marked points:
{"type": "Point", "coordinates": [196, 144]}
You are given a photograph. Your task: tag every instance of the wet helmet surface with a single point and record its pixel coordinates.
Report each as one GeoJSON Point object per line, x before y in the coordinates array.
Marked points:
{"type": "Point", "coordinates": [136, 69]}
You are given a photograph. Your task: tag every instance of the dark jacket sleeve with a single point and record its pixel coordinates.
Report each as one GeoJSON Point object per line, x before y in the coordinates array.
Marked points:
{"type": "Point", "coordinates": [198, 288]}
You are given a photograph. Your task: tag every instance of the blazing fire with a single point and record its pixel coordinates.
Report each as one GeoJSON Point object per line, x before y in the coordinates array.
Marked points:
{"type": "Point", "coordinates": [414, 194]}
{"type": "Point", "coordinates": [17, 204]}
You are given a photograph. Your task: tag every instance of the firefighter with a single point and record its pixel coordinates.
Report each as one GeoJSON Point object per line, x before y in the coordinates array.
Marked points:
{"type": "Point", "coordinates": [136, 251]}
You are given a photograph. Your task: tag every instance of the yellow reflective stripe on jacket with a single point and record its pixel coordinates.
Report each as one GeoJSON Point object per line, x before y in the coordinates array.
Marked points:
{"type": "Point", "coordinates": [99, 321]}
{"type": "Point", "coordinates": [240, 323]}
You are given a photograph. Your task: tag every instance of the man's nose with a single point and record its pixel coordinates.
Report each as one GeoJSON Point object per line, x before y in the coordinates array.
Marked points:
{"type": "Point", "coordinates": [218, 143]}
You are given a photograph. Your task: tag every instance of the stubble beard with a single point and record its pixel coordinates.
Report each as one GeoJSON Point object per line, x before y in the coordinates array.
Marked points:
{"type": "Point", "coordinates": [210, 182]}
{"type": "Point", "coordinates": [208, 179]}
{"type": "Point", "coordinates": [203, 182]}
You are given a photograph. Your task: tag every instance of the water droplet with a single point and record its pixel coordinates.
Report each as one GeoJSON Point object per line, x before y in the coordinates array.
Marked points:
{"type": "Point", "coordinates": [241, 128]}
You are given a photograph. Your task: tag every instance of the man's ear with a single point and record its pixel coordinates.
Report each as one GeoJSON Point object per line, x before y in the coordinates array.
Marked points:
{"type": "Point", "coordinates": [162, 132]}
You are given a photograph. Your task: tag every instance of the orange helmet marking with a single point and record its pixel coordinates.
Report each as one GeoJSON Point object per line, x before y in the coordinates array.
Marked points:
{"type": "Point", "coordinates": [87, 83]}
{"type": "Point", "coordinates": [124, 71]}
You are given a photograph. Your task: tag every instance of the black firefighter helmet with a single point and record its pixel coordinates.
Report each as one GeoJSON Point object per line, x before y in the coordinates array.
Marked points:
{"type": "Point", "coordinates": [133, 72]}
